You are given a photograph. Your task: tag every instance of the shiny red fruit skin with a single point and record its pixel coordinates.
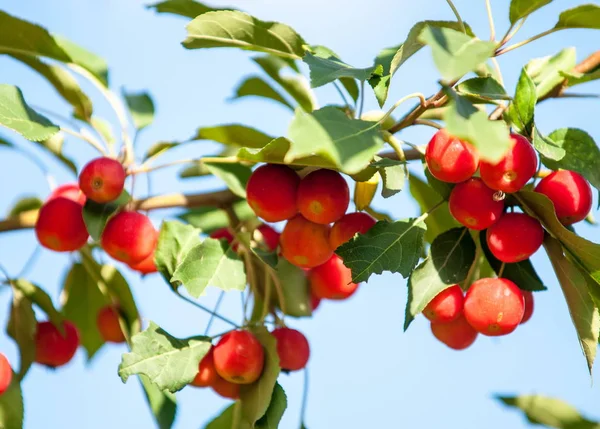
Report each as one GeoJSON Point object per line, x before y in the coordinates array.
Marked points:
{"type": "Point", "coordinates": [570, 193]}
{"type": "Point", "coordinates": [271, 192]}
{"type": "Point", "coordinates": [514, 170]}
{"type": "Point", "coordinates": [515, 237]}
{"type": "Point", "coordinates": [292, 348]}
{"type": "Point", "coordinates": [51, 347]}
{"type": "Point", "coordinates": [450, 159]}
{"type": "Point", "coordinates": [457, 335]}
{"type": "Point", "coordinates": [529, 306]}
{"type": "Point", "coordinates": [315, 301]}
{"type": "Point", "coordinates": [207, 374]}
{"type": "Point", "coordinates": [239, 357]}
{"type": "Point", "coordinates": [494, 307]}
{"type": "Point", "coordinates": [225, 388]}
{"type": "Point", "coordinates": [305, 243]}
{"type": "Point", "coordinates": [129, 237]}
{"type": "Point", "coordinates": [60, 226]}
{"type": "Point", "coordinates": [472, 204]}
{"type": "Point", "coordinates": [446, 306]}
{"type": "Point", "coordinates": [70, 191]}
{"type": "Point", "coordinates": [269, 236]}
{"type": "Point", "coordinates": [323, 196]}
{"type": "Point", "coordinates": [102, 179]}
{"type": "Point", "coordinates": [224, 233]}
{"type": "Point", "coordinates": [345, 228]}
{"type": "Point", "coordinates": [146, 266]}
{"type": "Point", "coordinates": [6, 373]}
{"type": "Point", "coordinates": [332, 280]}
{"type": "Point", "coordinates": [108, 325]}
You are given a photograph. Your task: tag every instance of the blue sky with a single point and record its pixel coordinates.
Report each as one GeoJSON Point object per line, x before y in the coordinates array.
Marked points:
{"type": "Point", "coordinates": [365, 372]}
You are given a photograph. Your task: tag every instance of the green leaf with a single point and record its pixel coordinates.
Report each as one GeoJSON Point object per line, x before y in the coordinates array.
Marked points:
{"type": "Point", "coordinates": [82, 301]}
{"type": "Point", "coordinates": [275, 411]}
{"type": "Point", "coordinates": [549, 412]}
{"type": "Point", "coordinates": [174, 243]}
{"type": "Point", "coordinates": [105, 129]}
{"type": "Point", "coordinates": [521, 273]}
{"type": "Point", "coordinates": [581, 154]}
{"type": "Point", "coordinates": [209, 219]}
{"type": "Point", "coordinates": [82, 57]}
{"type": "Point", "coordinates": [576, 78]}
{"type": "Point", "coordinates": [325, 69]}
{"type": "Point", "coordinates": [351, 87]}
{"type": "Point", "coordinates": [11, 406]}
{"type": "Point", "coordinates": [159, 148]}
{"type": "Point", "coordinates": [21, 327]}
{"type": "Point", "coordinates": [95, 215]}
{"type": "Point", "coordinates": [118, 288]}
{"type": "Point", "coordinates": [443, 189]}
{"type": "Point", "coordinates": [349, 144]}
{"type": "Point", "coordinates": [198, 168]}
{"type": "Point", "coordinates": [523, 8]}
{"type": "Point", "coordinates": [294, 285]}
{"type": "Point", "coordinates": [296, 86]}
{"type": "Point", "coordinates": [522, 108]}
{"type": "Point", "coordinates": [225, 420]}
{"type": "Point", "coordinates": [266, 256]}
{"type": "Point", "coordinates": [256, 397]}
{"type": "Point", "coordinates": [450, 257]}
{"type": "Point", "coordinates": [440, 220]}
{"type": "Point", "coordinates": [64, 83]}
{"type": "Point", "coordinates": [392, 58]}
{"type": "Point", "coordinates": [546, 71]}
{"type": "Point", "coordinates": [170, 363]}
{"type": "Point", "coordinates": [393, 173]}
{"type": "Point", "coordinates": [211, 263]}
{"type": "Point", "coordinates": [546, 147]}
{"type": "Point", "coordinates": [39, 297]}
{"type": "Point", "coordinates": [456, 53]}
{"type": "Point", "coordinates": [235, 176]}
{"type": "Point", "coordinates": [576, 286]}
{"type": "Point", "coordinates": [258, 87]}
{"type": "Point", "coordinates": [16, 115]}
{"type": "Point", "coordinates": [240, 30]}
{"type": "Point", "coordinates": [186, 8]}
{"type": "Point", "coordinates": [234, 135]}
{"type": "Point", "coordinates": [584, 16]}
{"type": "Point", "coordinates": [482, 89]}
{"type": "Point", "coordinates": [141, 107]}
{"type": "Point", "coordinates": [25, 204]}
{"type": "Point", "coordinates": [388, 246]}
{"type": "Point", "coordinates": [162, 404]}
{"type": "Point", "coordinates": [465, 121]}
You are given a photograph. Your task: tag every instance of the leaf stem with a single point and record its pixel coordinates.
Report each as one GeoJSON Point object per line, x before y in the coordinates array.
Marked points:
{"type": "Point", "coordinates": [498, 71]}
{"type": "Point", "coordinates": [146, 167]}
{"type": "Point", "coordinates": [501, 271]}
{"type": "Point", "coordinates": [511, 32]}
{"type": "Point", "coordinates": [428, 123]}
{"type": "Point", "coordinates": [418, 95]}
{"type": "Point", "coordinates": [490, 15]}
{"type": "Point", "coordinates": [458, 18]}
{"type": "Point", "coordinates": [93, 142]}
{"type": "Point", "coordinates": [212, 316]}
{"type": "Point", "coordinates": [339, 90]}
{"type": "Point", "coordinates": [304, 398]}
{"type": "Point", "coordinates": [278, 289]}
{"type": "Point", "coordinates": [208, 310]}
{"type": "Point", "coordinates": [362, 99]}
{"type": "Point", "coordinates": [525, 42]}
{"type": "Point", "coordinates": [267, 298]}
{"type": "Point", "coordinates": [428, 212]}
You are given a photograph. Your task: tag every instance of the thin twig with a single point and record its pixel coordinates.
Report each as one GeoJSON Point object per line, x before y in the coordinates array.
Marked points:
{"type": "Point", "coordinates": [30, 261]}
{"type": "Point", "coordinates": [458, 18]}
{"type": "Point", "coordinates": [490, 15]}
{"type": "Point", "coordinates": [362, 99]}
{"type": "Point", "coordinates": [212, 316]}
{"type": "Point", "coordinates": [501, 271]}
{"type": "Point", "coordinates": [339, 90]}
{"type": "Point", "coordinates": [304, 398]}
{"type": "Point", "coordinates": [525, 42]}
{"type": "Point", "coordinates": [428, 123]}
{"type": "Point", "coordinates": [93, 142]}
{"type": "Point", "coordinates": [496, 65]}
{"type": "Point", "coordinates": [146, 167]}
{"type": "Point", "coordinates": [208, 310]}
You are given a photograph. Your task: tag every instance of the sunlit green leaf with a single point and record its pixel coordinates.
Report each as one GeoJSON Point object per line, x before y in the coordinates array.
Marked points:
{"type": "Point", "coordinates": [21, 327]}
{"type": "Point", "coordinates": [235, 176]}
{"type": "Point", "coordinates": [233, 134]}
{"type": "Point", "coordinates": [257, 87]}
{"type": "Point", "coordinates": [482, 89]}
{"type": "Point", "coordinates": [163, 404]}
{"type": "Point", "coordinates": [16, 115]}
{"type": "Point", "coordinates": [326, 69]}
{"type": "Point", "coordinates": [521, 110]}
{"type": "Point", "coordinates": [275, 411]}
{"type": "Point", "coordinates": [209, 219]}
{"type": "Point", "coordinates": [40, 298]}
{"type": "Point", "coordinates": [25, 204]}
{"type": "Point", "coordinates": [174, 243]}
{"type": "Point", "coordinates": [584, 16]}
{"type": "Point", "coordinates": [185, 8]}
{"type": "Point", "coordinates": [546, 72]}
{"type": "Point", "coordinates": [141, 108]}
{"type": "Point", "coordinates": [523, 8]}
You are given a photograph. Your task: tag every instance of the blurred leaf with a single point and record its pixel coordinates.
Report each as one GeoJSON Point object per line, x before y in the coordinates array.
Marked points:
{"type": "Point", "coordinates": [233, 134]}
{"type": "Point", "coordinates": [388, 246]}
{"type": "Point", "coordinates": [22, 327]}
{"type": "Point", "coordinates": [240, 30]}
{"type": "Point", "coordinates": [255, 398]}
{"type": "Point", "coordinates": [482, 89]}
{"type": "Point", "coordinates": [235, 176]}
{"type": "Point", "coordinates": [159, 148]}
{"type": "Point", "coordinates": [584, 16]}
{"type": "Point", "coordinates": [275, 411]}
{"type": "Point", "coordinates": [576, 78]}
{"type": "Point", "coordinates": [25, 204]}
{"type": "Point", "coordinates": [141, 107]}
{"type": "Point", "coordinates": [465, 121]}
{"type": "Point", "coordinates": [174, 243]}
{"type": "Point", "coordinates": [393, 173]}
{"type": "Point", "coordinates": [198, 168]}
{"type": "Point", "coordinates": [39, 297]}
{"type": "Point", "coordinates": [546, 72]}
{"type": "Point", "coordinates": [349, 144]}
{"type": "Point", "coordinates": [54, 145]}
{"type": "Point", "coordinates": [11, 406]}
{"type": "Point", "coordinates": [209, 219]}
{"type": "Point", "coordinates": [210, 263]}
{"type": "Point", "coordinates": [162, 404]}
{"type": "Point", "coordinates": [104, 128]}
{"type": "Point", "coordinates": [154, 350]}
{"type": "Point", "coordinates": [450, 257]}
{"type": "Point", "coordinates": [521, 110]}
{"type": "Point", "coordinates": [325, 69]}
{"type": "Point", "coordinates": [225, 420]}
{"type": "Point", "coordinates": [522, 273]}
{"type": "Point", "coordinates": [82, 300]}
{"type": "Point", "coordinates": [454, 52]}
{"type": "Point", "coordinates": [185, 8]}
{"type": "Point", "coordinates": [523, 8]}
{"type": "Point", "coordinates": [576, 287]}
{"type": "Point", "coordinates": [294, 285]}
{"type": "Point", "coordinates": [82, 57]}
{"type": "Point", "coordinates": [16, 115]}
{"type": "Point", "coordinates": [118, 288]}
{"type": "Point", "coordinates": [258, 87]}
{"type": "Point", "coordinates": [351, 87]}
{"type": "Point", "coordinates": [547, 148]}
{"type": "Point", "coordinates": [549, 412]}
{"type": "Point", "coordinates": [95, 215]}
{"type": "Point", "coordinates": [443, 189]}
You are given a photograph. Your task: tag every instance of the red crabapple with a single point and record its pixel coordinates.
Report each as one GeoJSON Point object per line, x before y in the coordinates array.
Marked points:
{"type": "Point", "coordinates": [271, 192]}
{"type": "Point", "coordinates": [60, 226]}
{"type": "Point", "coordinates": [129, 237]}
{"type": "Point", "coordinates": [207, 374]}
{"type": "Point", "coordinates": [570, 193]}
{"type": "Point", "coordinates": [102, 179]}
{"type": "Point", "coordinates": [226, 389]}
{"type": "Point", "coordinates": [450, 159]}
{"type": "Point", "coordinates": [515, 237]}
{"type": "Point", "coordinates": [472, 204]}
{"type": "Point", "coordinates": [52, 348]}
{"type": "Point", "coordinates": [269, 236]}
{"type": "Point", "coordinates": [345, 228]}
{"type": "Point", "coordinates": [305, 243]}
{"type": "Point", "coordinates": [528, 306]}
{"type": "Point", "coordinates": [239, 357]}
{"type": "Point", "coordinates": [109, 326]}
{"type": "Point", "coordinates": [446, 306]}
{"type": "Point", "coordinates": [70, 191]}
{"type": "Point", "coordinates": [332, 280]}
{"type": "Point", "coordinates": [457, 335]}
{"type": "Point", "coordinates": [6, 373]}
{"type": "Point", "coordinates": [292, 348]}
{"type": "Point", "coordinates": [323, 196]}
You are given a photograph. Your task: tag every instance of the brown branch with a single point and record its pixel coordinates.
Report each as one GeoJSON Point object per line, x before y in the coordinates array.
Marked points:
{"type": "Point", "coordinates": [590, 63]}
{"type": "Point", "coordinates": [436, 100]}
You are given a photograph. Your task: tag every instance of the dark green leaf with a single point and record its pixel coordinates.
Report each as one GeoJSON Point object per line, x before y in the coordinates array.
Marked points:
{"type": "Point", "coordinates": [233, 134]}
{"type": "Point", "coordinates": [393, 173]}
{"type": "Point", "coordinates": [235, 176]}
{"type": "Point", "coordinates": [450, 257]}
{"type": "Point", "coordinates": [16, 115]}
{"type": "Point", "coordinates": [328, 68]}
{"type": "Point", "coordinates": [39, 297]}
{"type": "Point", "coordinates": [225, 420]}
{"type": "Point", "coordinates": [240, 30]}
{"type": "Point", "coordinates": [174, 243]}
{"type": "Point", "coordinates": [11, 406]}
{"type": "Point", "coordinates": [546, 71]}
{"type": "Point", "coordinates": [388, 246]}
{"type": "Point", "coordinates": [275, 411]}
{"type": "Point", "coordinates": [258, 87]}
{"type": "Point", "coordinates": [95, 215]}
{"type": "Point", "coordinates": [351, 87]}
{"type": "Point", "coordinates": [443, 189]}
{"type": "Point", "coordinates": [456, 53]}
{"type": "Point", "coordinates": [584, 16]}
{"type": "Point", "coordinates": [482, 89]}
{"type": "Point", "coordinates": [21, 327]}
{"type": "Point", "coordinates": [159, 148]}
{"type": "Point", "coordinates": [25, 204]}
{"type": "Point", "coordinates": [349, 144]}
{"type": "Point", "coordinates": [185, 8]}
{"type": "Point", "coordinates": [141, 108]}
{"type": "Point", "coordinates": [168, 362]}
{"type": "Point", "coordinates": [546, 147]}
{"type": "Point", "coordinates": [523, 8]}
{"type": "Point", "coordinates": [522, 108]}
{"type": "Point", "coordinates": [294, 285]}
{"type": "Point", "coordinates": [266, 256]}
{"type": "Point", "coordinates": [163, 404]}
{"type": "Point", "coordinates": [521, 273]}
{"type": "Point", "coordinates": [198, 168]}
{"type": "Point", "coordinates": [209, 219]}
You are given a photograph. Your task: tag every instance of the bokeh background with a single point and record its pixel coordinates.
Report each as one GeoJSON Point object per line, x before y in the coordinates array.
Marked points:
{"type": "Point", "coordinates": [364, 371]}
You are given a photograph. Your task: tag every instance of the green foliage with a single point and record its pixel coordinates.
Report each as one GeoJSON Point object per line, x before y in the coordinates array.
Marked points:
{"type": "Point", "coordinates": [546, 147]}
{"type": "Point", "coordinates": [209, 219]}
{"type": "Point", "coordinates": [327, 68]}
{"type": "Point", "coordinates": [85, 59]}
{"type": "Point", "coordinates": [185, 8]}
{"type": "Point", "coordinates": [546, 72]}
{"type": "Point", "coordinates": [275, 411]}
{"type": "Point", "coordinates": [11, 406]}
{"type": "Point", "coordinates": [21, 327]}
{"type": "Point", "coordinates": [25, 204]}
{"type": "Point", "coordinates": [96, 215]}
{"type": "Point", "coordinates": [235, 176]}
{"type": "Point", "coordinates": [521, 110]}
{"type": "Point", "coordinates": [393, 174]}
{"type": "Point", "coordinates": [226, 418]}
{"type": "Point", "coordinates": [482, 89]}
{"type": "Point", "coordinates": [141, 108]}
{"type": "Point", "coordinates": [40, 298]}
{"type": "Point", "coordinates": [163, 404]}
{"type": "Point", "coordinates": [451, 255]}
{"type": "Point", "coordinates": [168, 362]}
{"type": "Point", "coordinates": [174, 243]}
{"type": "Point", "coordinates": [523, 8]}
{"type": "Point", "coordinates": [234, 135]}
{"type": "Point", "coordinates": [584, 16]}
{"type": "Point", "coordinates": [294, 285]}
{"type": "Point", "coordinates": [258, 87]}
{"type": "Point", "coordinates": [576, 78]}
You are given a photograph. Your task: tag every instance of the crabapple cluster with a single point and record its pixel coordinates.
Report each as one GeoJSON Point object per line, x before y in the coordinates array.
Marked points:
{"type": "Point", "coordinates": [495, 306]}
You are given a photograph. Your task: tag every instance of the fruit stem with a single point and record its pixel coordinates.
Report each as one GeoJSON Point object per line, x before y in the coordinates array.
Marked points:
{"type": "Point", "coordinates": [304, 398]}
{"type": "Point", "coordinates": [490, 15]}
{"type": "Point", "coordinates": [395, 144]}
{"type": "Point", "coordinates": [212, 316]}
{"type": "Point", "coordinates": [501, 271]}
{"type": "Point", "coordinates": [428, 212]}
{"type": "Point", "coordinates": [525, 42]}
{"type": "Point", "coordinates": [422, 103]}
{"type": "Point", "coordinates": [458, 18]}
{"type": "Point", "coordinates": [428, 123]}
{"type": "Point", "coordinates": [278, 289]}
{"type": "Point", "coordinates": [339, 90]}
{"type": "Point", "coordinates": [267, 298]}
{"type": "Point", "coordinates": [208, 310]}
{"type": "Point", "coordinates": [89, 139]}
